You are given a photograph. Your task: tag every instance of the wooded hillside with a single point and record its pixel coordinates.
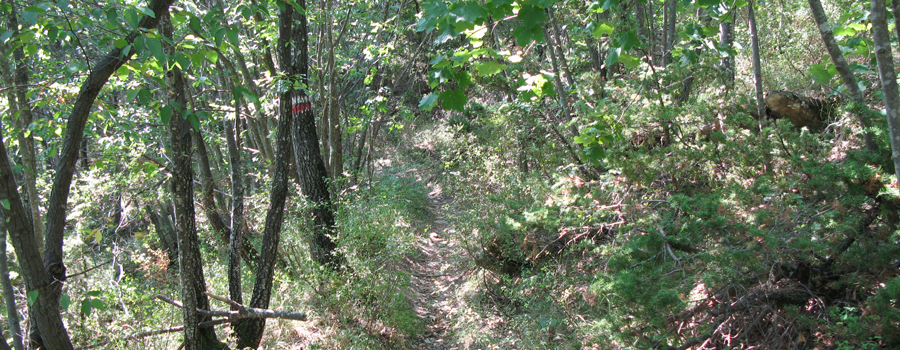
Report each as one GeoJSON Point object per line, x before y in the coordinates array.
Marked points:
{"type": "Point", "coordinates": [449, 174]}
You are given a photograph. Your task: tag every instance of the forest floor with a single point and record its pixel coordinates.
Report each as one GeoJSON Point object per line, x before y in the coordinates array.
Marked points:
{"type": "Point", "coordinates": [437, 275]}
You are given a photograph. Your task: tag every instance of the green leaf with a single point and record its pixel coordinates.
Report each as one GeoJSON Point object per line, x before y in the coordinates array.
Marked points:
{"type": "Point", "coordinates": [603, 29]}
{"type": "Point", "coordinates": [31, 49]}
{"type": "Point", "coordinates": [844, 31]}
{"type": "Point", "coordinates": [612, 56]}
{"type": "Point", "coordinates": [32, 297]}
{"type": "Point", "coordinates": [64, 301]}
{"type": "Point", "coordinates": [626, 40]}
{"type": "Point", "coordinates": [5, 36]}
{"type": "Point", "coordinates": [469, 11]}
{"type": "Point", "coordinates": [437, 60]}
{"type": "Point", "coordinates": [525, 35]}
{"type": "Point", "coordinates": [463, 79]}
{"type": "Point", "coordinates": [250, 96]}
{"type": "Point", "coordinates": [30, 15]}
{"type": "Point", "coordinates": [98, 304]}
{"type": "Point", "coordinates": [93, 293]}
{"type": "Point", "coordinates": [155, 48]}
{"type": "Point", "coordinates": [146, 11]}
{"type": "Point", "coordinates": [144, 96]}
{"type": "Point", "coordinates": [182, 60]}
{"type": "Point", "coordinates": [165, 114]}
{"type": "Point", "coordinates": [5, 203]}
{"type": "Point", "coordinates": [194, 119]}
{"type": "Point", "coordinates": [428, 102]}
{"type": "Point", "coordinates": [120, 43]}
{"type": "Point", "coordinates": [195, 24]}
{"type": "Point", "coordinates": [499, 8]}
{"type": "Point", "coordinates": [629, 61]}
{"type": "Point", "coordinates": [821, 74]}
{"type": "Point", "coordinates": [139, 44]}
{"type": "Point", "coordinates": [454, 100]}
{"type": "Point", "coordinates": [530, 29]}
{"type": "Point", "coordinates": [487, 69]}
{"type": "Point", "coordinates": [435, 11]}
{"type": "Point", "coordinates": [232, 35]}
{"type": "Point", "coordinates": [86, 307]}
{"type": "Point", "coordinates": [212, 56]}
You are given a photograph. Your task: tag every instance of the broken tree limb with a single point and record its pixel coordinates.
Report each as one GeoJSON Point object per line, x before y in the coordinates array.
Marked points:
{"type": "Point", "coordinates": [227, 316]}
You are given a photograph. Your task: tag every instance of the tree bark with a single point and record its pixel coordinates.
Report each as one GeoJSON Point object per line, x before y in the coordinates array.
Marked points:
{"type": "Point", "coordinates": [757, 69]}
{"type": "Point", "coordinates": [882, 37]}
{"type": "Point", "coordinates": [670, 18]}
{"type": "Point", "coordinates": [9, 298]}
{"type": "Point", "coordinates": [193, 284]}
{"type": "Point", "coordinates": [249, 331]}
{"type": "Point", "coordinates": [208, 188]}
{"type": "Point", "coordinates": [310, 166]}
{"type": "Point", "coordinates": [837, 58]}
{"type": "Point", "coordinates": [233, 139]}
{"type": "Point", "coordinates": [26, 140]}
{"type": "Point", "coordinates": [726, 38]}
{"type": "Point", "coordinates": [561, 89]}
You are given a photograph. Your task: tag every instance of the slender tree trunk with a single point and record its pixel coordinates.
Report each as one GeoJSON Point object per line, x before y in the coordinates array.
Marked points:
{"type": "Point", "coordinates": [561, 89]}
{"type": "Point", "coordinates": [757, 69]}
{"type": "Point", "coordinates": [895, 9]}
{"type": "Point", "coordinates": [335, 163]}
{"type": "Point", "coordinates": [310, 166]}
{"type": "Point", "coordinates": [207, 199]}
{"type": "Point", "coordinates": [882, 37]}
{"type": "Point", "coordinates": [47, 276]}
{"type": "Point", "coordinates": [640, 14]}
{"type": "Point", "coordinates": [9, 298]}
{"type": "Point", "coordinates": [837, 57]}
{"type": "Point", "coordinates": [249, 331]}
{"type": "Point", "coordinates": [26, 141]}
{"type": "Point", "coordinates": [670, 19]}
{"type": "Point", "coordinates": [559, 47]}
{"type": "Point", "coordinates": [726, 37]}
{"type": "Point", "coordinates": [161, 218]}
{"type": "Point", "coordinates": [233, 138]}
{"type": "Point", "coordinates": [193, 284]}
{"type": "Point", "coordinates": [688, 82]}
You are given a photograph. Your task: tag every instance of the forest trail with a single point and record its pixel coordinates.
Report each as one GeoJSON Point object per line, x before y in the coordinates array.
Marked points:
{"type": "Point", "coordinates": [436, 275]}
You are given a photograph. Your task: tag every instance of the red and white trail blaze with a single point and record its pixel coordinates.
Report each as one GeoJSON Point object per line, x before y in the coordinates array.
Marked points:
{"type": "Point", "coordinates": [300, 104]}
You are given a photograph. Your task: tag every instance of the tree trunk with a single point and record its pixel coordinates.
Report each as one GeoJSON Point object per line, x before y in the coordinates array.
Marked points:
{"type": "Point", "coordinates": [193, 284]}
{"type": "Point", "coordinates": [333, 111]}
{"type": "Point", "coordinates": [233, 138]}
{"type": "Point", "coordinates": [726, 38]}
{"type": "Point", "coordinates": [207, 199]}
{"type": "Point", "coordinates": [47, 276]}
{"type": "Point", "coordinates": [21, 104]}
{"type": "Point", "coordinates": [310, 166]}
{"type": "Point", "coordinates": [670, 18]}
{"type": "Point", "coordinates": [882, 37]}
{"type": "Point", "coordinates": [757, 69]}
{"type": "Point", "coordinates": [561, 89]}
{"type": "Point", "coordinates": [9, 298]}
{"type": "Point", "coordinates": [559, 47]}
{"type": "Point", "coordinates": [837, 57]}
{"type": "Point", "coordinates": [161, 218]}
{"type": "Point", "coordinates": [249, 331]}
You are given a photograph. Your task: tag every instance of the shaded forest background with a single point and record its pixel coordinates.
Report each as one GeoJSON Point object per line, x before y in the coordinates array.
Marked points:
{"type": "Point", "coordinates": [444, 174]}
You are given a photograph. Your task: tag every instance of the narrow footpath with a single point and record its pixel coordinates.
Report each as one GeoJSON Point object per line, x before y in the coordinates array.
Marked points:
{"type": "Point", "coordinates": [437, 275]}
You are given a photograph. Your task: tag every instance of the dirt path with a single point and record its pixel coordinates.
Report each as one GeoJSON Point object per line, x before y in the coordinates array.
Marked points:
{"type": "Point", "coordinates": [437, 275]}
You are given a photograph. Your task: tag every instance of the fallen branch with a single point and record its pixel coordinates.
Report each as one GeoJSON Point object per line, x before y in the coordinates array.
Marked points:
{"type": "Point", "coordinates": [240, 312]}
